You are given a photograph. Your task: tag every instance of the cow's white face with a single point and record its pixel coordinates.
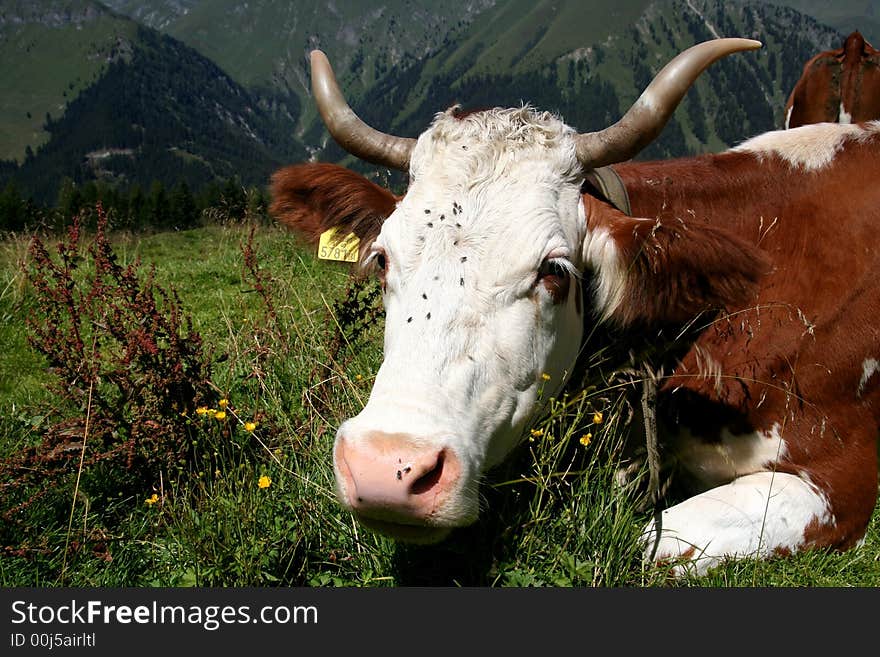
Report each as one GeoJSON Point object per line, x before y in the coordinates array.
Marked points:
{"type": "Point", "coordinates": [480, 264]}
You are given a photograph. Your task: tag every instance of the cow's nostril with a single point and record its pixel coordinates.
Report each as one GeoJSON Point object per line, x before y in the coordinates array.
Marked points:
{"type": "Point", "coordinates": [430, 478]}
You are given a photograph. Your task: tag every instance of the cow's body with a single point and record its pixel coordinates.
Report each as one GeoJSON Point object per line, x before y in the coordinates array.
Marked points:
{"type": "Point", "coordinates": [768, 252]}
{"type": "Point", "coordinates": [792, 374]}
{"type": "Point", "coordinates": [841, 85]}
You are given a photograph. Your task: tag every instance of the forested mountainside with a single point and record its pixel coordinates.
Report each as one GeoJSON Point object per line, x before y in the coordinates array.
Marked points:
{"type": "Point", "coordinates": [192, 91]}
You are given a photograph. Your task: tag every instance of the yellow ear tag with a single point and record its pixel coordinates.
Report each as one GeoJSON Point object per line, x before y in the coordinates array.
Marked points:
{"type": "Point", "coordinates": [333, 247]}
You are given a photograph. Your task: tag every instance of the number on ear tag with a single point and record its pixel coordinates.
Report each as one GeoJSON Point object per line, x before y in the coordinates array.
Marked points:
{"type": "Point", "coordinates": [333, 247]}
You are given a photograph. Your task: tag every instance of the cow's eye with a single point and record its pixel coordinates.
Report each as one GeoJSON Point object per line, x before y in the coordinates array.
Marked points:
{"type": "Point", "coordinates": [555, 276]}
{"type": "Point", "coordinates": [379, 260]}
{"type": "Point", "coordinates": [552, 268]}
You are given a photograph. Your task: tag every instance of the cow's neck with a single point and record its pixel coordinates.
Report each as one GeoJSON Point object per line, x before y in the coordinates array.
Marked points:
{"type": "Point", "coordinates": [702, 189]}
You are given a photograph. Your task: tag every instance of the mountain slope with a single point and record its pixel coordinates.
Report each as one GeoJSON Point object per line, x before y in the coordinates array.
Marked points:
{"type": "Point", "coordinates": [522, 35]}
{"type": "Point", "coordinates": [128, 105]}
{"type": "Point", "coordinates": [160, 112]}
{"type": "Point", "coordinates": [843, 15]}
{"type": "Point", "coordinates": [158, 14]}
{"type": "Point", "coordinates": [49, 52]}
{"type": "Point", "coordinates": [591, 83]}
{"type": "Point", "coordinates": [264, 44]}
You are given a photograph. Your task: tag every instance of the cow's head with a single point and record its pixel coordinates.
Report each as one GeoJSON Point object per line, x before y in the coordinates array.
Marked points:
{"type": "Point", "coordinates": [481, 264]}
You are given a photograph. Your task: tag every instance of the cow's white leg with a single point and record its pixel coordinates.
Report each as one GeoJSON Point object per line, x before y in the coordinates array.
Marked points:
{"type": "Point", "coordinates": [753, 516]}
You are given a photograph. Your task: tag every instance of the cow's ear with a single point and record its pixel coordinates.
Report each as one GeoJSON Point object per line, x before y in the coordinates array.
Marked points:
{"type": "Point", "coordinates": [312, 198]}
{"type": "Point", "coordinates": [651, 272]}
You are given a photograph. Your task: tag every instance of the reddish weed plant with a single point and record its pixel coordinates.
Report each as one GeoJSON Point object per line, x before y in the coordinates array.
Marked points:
{"type": "Point", "coordinates": [127, 365]}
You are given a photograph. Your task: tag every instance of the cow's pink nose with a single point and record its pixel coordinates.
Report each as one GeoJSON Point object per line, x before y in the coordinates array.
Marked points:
{"type": "Point", "coordinates": [395, 478]}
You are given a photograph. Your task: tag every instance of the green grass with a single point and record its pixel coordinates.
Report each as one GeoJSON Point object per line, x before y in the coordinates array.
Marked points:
{"type": "Point", "coordinates": [556, 518]}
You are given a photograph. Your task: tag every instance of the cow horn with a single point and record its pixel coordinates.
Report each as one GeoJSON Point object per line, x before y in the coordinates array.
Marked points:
{"type": "Point", "coordinates": [645, 119]}
{"type": "Point", "coordinates": [347, 129]}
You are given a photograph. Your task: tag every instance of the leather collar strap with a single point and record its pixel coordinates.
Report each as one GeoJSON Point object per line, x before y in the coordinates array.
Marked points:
{"type": "Point", "coordinates": [609, 185]}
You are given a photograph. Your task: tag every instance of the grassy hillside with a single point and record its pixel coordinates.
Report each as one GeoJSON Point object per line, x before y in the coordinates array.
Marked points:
{"type": "Point", "coordinates": [54, 50]}
{"type": "Point", "coordinates": [157, 111]}
{"type": "Point", "coordinates": [49, 53]}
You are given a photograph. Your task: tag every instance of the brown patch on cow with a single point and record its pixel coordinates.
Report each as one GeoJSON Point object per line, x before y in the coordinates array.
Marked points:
{"type": "Point", "coordinates": [846, 473]}
{"type": "Point", "coordinates": [678, 268]}
{"type": "Point", "coordinates": [818, 533]}
{"type": "Point", "coordinates": [311, 198]}
{"type": "Point", "coordinates": [848, 76]}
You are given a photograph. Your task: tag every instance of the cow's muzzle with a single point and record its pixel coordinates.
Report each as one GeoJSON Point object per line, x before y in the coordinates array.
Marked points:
{"type": "Point", "coordinates": [398, 484]}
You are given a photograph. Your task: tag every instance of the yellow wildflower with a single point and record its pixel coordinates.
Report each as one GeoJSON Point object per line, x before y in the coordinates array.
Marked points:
{"type": "Point", "coordinates": [598, 417]}
{"type": "Point", "coordinates": [152, 499]}
{"type": "Point", "coordinates": [220, 415]}
{"type": "Point", "coordinates": [585, 439]}
{"type": "Point", "coordinates": [202, 410]}
{"type": "Point", "coordinates": [537, 433]}
{"type": "Point", "coordinates": [358, 377]}
{"type": "Point", "coordinates": [545, 376]}
{"type": "Point", "coordinates": [250, 426]}
{"type": "Point", "coordinates": [264, 482]}
{"type": "Point", "coordinates": [223, 403]}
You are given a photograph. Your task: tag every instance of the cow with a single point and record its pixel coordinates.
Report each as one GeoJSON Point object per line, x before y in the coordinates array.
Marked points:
{"type": "Point", "coordinates": [500, 253]}
{"type": "Point", "coordinates": [841, 85]}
